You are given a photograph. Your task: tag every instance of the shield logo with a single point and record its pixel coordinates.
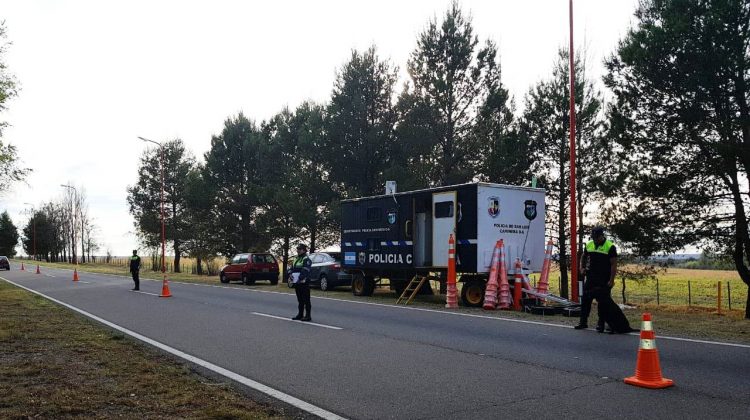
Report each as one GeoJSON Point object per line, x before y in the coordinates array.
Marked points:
{"type": "Point", "coordinates": [529, 209]}
{"type": "Point", "coordinates": [493, 206]}
{"type": "Point", "coordinates": [392, 216]}
{"type": "Point", "coordinates": [362, 258]}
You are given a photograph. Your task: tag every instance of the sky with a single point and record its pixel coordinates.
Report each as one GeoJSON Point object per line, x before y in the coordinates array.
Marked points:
{"type": "Point", "coordinates": [95, 75]}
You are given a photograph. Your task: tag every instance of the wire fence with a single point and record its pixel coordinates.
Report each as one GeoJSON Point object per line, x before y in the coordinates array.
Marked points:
{"type": "Point", "coordinates": [153, 263]}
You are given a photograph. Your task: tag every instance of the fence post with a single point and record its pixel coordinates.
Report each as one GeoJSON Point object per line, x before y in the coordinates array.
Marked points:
{"type": "Point", "coordinates": [718, 297]}
{"type": "Point", "coordinates": [729, 296]}
{"type": "Point", "coordinates": [657, 291]}
{"type": "Point", "coordinates": [690, 295]}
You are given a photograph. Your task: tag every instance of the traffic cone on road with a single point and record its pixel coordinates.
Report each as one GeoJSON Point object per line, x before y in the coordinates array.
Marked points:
{"type": "Point", "coordinates": [543, 286]}
{"type": "Point", "coordinates": [165, 288]}
{"type": "Point", "coordinates": [37, 269]}
{"type": "Point", "coordinates": [647, 368]}
{"type": "Point", "coordinates": [504, 288]}
{"type": "Point", "coordinates": [22, 269]}
{"type": "Point", "coordinates": [518, 280]}
{"type": "Point", "coordinates": [75, 274]}
{"type": "Point", "coordinates": [490, 294]}
{"type": "Point", "coordinates": [451, 297]}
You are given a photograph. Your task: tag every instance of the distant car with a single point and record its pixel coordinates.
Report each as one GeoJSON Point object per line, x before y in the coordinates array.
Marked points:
{"type": "Point", "coordinates": [251, 267]}
{"type": "Point", "coordinates": [4, 263]}
{"type": "Point", "coordinates": [327, 271]}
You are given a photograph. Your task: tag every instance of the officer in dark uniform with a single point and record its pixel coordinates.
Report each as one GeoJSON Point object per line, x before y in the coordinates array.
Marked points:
{"type": "Point", "coordinates": [599, 265]}
{"type": "Point", "coordinates": [135, 267]}
{"type": "Point", "coordinates": [301, 267]}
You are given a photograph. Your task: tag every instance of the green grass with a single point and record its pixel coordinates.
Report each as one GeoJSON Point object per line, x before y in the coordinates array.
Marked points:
{"type": "Point", "coordinates": [56, 364]}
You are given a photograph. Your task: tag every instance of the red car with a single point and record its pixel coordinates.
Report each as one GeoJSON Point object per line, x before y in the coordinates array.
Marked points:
{"type": "Point", "coordinates": [248, 268]}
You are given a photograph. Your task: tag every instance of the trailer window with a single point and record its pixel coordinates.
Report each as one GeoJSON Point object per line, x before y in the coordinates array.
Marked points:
{"type": "Point", "coordinates": [444, 209]}
{"type": "Point", "coordinates": [374, 214]}
{"type": "Point", "coordinates": [373, 244]}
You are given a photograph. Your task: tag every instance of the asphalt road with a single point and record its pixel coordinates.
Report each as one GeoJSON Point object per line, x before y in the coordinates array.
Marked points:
{"type": "Point", "coordinates": [371, 361]}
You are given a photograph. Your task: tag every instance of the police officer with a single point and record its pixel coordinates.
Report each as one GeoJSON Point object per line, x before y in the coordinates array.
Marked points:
{"type": "Point", "coordinates": [599, 265]}
{"type": "Point", "coordinates": [301, 268]}
{"type": "Point", "coordinates": [135, 267]}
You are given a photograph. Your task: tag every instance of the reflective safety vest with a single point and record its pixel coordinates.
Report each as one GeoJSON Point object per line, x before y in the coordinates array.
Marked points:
{"type": "Point", "coordinates": [603, 249]}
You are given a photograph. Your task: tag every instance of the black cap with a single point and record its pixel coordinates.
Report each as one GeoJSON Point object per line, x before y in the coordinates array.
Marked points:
{"type": "Point", "coordinates": [302, 246]}
{"type": "Point", "coordinates": [597, 231]}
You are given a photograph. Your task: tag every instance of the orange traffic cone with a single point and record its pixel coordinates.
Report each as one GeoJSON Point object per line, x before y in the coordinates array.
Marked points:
{"type": "Point", "coordinates": [503, 295]}
{"type": "Point", "coordinates": [490, 294]}
{"type": "Point", "coordinates": [517, 286]}
{"type": "Point", "coordinates": [647, 369]}
{"type": "Point", "coordinates": [543, 286]}
{"type": "Point", "coordinates": [451, 297]}
{"type": "Point", "coordinates": [22, 269]}
{"type": "Point", "coordinates": [75, 274]}
{"type": "Point", "coordinates": [37, 269]}
{"type": "Point", "coordinates": [165, 288]}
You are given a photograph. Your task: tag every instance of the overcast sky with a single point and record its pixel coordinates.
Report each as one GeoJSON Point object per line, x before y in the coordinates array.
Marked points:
{"type": "Point", "coordinates": [97, 74]}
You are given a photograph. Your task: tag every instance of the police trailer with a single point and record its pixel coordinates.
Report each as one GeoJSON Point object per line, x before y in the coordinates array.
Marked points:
{"type": "Point", "coordinates": [398, 236]}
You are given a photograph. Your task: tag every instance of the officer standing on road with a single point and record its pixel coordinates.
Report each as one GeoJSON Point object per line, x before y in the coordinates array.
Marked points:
{"type": "Point", "coordinates": [599, 265]}
{"type": "Point", "coordinates": [135, 267]}
{"type": "Point", "coordinates": [301, 273]}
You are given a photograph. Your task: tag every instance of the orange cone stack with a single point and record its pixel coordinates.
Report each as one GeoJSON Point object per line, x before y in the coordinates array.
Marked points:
{"type": "Point", "coordinates": [75, 274]}
{"type": "Point", "coordinates": [37, 269]}
{"type": "Point", "coordinates": [647, 368]}
{"type": "Point", "coordinates": [165, 288]}
{"type": "Point", "coordinates": [22, 269]}
{"type": "Point", "coordinates": [490, 294]}
{"type": "Point", "coordinates": [543, 286]}
{"type": "Point", "coordinates": [451, 297]}
{"type": "Point", "coordinates": [504, 288]}
{"type": "Point", "coordinates": [518, 280]}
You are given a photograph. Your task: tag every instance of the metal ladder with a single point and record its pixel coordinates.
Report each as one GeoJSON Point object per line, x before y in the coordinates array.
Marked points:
{"type": "Point", "coordinates": [411, 290]}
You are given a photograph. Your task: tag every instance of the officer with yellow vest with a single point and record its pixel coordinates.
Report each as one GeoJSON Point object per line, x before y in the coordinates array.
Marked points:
{"type": "Point", "coordinates": [301, 280]}
{"type": "Point", "coordinates": [599, 266]}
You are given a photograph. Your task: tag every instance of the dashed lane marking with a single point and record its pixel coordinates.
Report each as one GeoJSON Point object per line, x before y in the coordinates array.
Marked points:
{"type": "Point", "coordinates": [314, 324]}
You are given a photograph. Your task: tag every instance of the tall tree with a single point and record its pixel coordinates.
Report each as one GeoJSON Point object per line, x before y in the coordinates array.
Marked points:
{"type": "Point", "coordinates": [681, 121]}
{"type": "Point", "coordinates": [545, 123]}
{"type": "Point", "coordinates": [10, 169]}
{"type": "Point", "coordinates": [8, 236]}
{"type": "Point", "coordinates": [360, 124]}
{"type": "Point", "coordinates": [233, 170]}
{"type": "Point", "coordinates": [144, 198]}
{"type": "Point", "coordinates": [201, 241]}
{"type": "Point", "coordinates": [455, 108]}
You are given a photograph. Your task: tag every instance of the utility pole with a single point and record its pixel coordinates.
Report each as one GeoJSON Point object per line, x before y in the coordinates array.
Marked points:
{"type": "Point", "coordinates": [573, 227]}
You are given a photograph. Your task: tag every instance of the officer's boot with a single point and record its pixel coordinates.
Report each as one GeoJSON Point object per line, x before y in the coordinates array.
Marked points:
{"type": "Point", "coordinates": [307, 317]}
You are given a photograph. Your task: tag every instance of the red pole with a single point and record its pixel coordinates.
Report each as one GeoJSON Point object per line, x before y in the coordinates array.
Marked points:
{"type": "Point", "coordinates": [162, 210]}
{"type": "Point", "coordinates": [34, 236]}
{"type": "Point", "coordinates": [573, 227]}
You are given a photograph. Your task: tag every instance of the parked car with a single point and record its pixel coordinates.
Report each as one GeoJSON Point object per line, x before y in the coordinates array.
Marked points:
{"type": "Point", "coordinates": [4, 263]}
{"type": "Point", "coordinates": [327, 272]}
{"type": "Point", "coordinates": [251, 267]}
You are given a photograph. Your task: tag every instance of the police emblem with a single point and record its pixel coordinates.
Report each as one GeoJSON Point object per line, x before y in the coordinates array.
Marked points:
{"type": "Point", "coordinates": [392, 216]}
{"type": "Point", "coordinates": [493, 206]}
{"type": "Point", "coordinates": [529, 209]}
{"type": "Point", "coordinates": [362, 258]}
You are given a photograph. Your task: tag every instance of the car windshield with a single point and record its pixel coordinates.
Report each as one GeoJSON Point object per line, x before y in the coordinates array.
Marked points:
{"type": "Point", "coordinates": [336, 256]}
{"type": "Point", "coordinates": [3, 258]}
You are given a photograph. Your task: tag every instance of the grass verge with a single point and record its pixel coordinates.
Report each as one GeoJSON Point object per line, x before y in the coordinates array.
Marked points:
{"type": "Point", "coordinates": [55, 363]}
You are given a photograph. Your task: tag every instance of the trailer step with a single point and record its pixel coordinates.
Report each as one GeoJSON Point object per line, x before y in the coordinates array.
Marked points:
{"type": "Point", "coordinates": [411, 290]}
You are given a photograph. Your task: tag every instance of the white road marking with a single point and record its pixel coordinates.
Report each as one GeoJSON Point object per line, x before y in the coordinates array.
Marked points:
{"type": "Point", "coordinates": [49, 275]}
{"type": "Point", "coordinates": [84, 282]}
{"type": "Point", "coordinates": [300, 322]}
{"type": "Point", "coordinates": [520, 321]}
{"type": "Point", "coordinates": [145, 293]}
{"type": "Point", "coordinates": [296, 402]}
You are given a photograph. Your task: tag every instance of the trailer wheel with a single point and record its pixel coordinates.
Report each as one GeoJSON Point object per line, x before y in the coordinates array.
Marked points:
{"type": "Point", "coordinates": [362, 286]}
{"type": "Point", "coordinates": [472, 293]}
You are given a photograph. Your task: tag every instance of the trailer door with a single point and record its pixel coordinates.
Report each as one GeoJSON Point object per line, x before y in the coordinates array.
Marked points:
{"type": "Point", "coordinates": [443, 224]}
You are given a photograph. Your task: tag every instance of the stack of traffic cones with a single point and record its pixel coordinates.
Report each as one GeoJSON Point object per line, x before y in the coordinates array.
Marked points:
{"type": "Point", "coordinates": [165, 288]}
{"type": "Point", "coordinates": [504, 288]}
{"type": "Point", "coordinates": [490, 293]}
{"type": "Point", "coordinates": [647, 369]}
{"type": "Point", "coordinates": [451, 297]}
{"type": "Point", "coordinates": [517, 282]}
{"type": "Point", "coordinates": [75, 274]}
{"type": "Point", "coordinates": [543, 286]}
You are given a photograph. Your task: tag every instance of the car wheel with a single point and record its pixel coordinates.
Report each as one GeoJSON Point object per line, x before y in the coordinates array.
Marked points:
{"type": "Point", "coordinates": [358, 284]}
{"type": "Point", "coordinates": [247, 281]}
{"type": "Point", "coordinates": [472, 293]}
{"type": "Point", "coordinates": [223, 278]}
{"type": "Point", "coordinates": [324, 286]}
